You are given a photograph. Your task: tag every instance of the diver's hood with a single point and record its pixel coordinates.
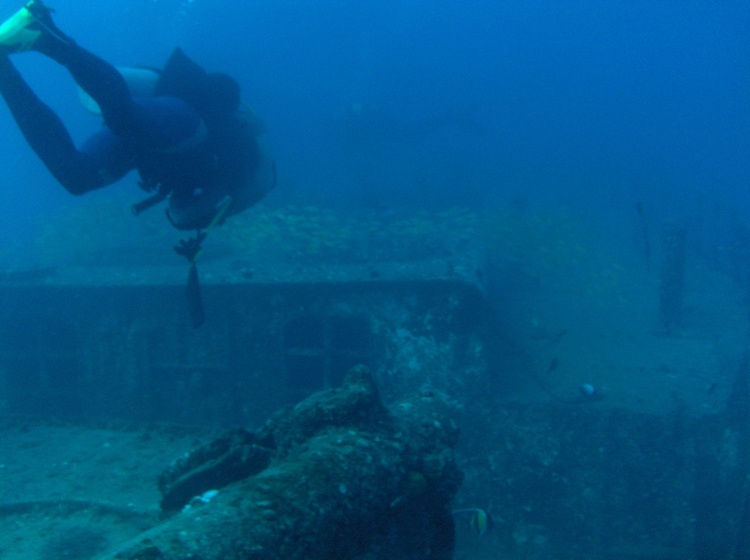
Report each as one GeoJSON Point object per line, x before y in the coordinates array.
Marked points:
{"type": "Point", "coordinates": [142, 82]}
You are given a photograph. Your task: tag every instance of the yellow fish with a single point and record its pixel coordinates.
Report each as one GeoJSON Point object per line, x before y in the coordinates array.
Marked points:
{"type": "Point", "coordinates": [480, 520]}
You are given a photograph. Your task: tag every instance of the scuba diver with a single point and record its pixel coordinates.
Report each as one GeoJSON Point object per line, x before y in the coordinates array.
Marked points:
{"type": "Point", "coordinates": [184, 130]}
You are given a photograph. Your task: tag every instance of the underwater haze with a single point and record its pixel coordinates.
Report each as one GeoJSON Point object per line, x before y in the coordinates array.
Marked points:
{"type": "Point", "coordinates": [594, 105]}
{"type": "Point", "coordinates": [531, 214]}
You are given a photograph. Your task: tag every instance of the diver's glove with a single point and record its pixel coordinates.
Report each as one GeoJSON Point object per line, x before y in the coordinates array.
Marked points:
{"type": "Point", "coordinates": [191, 247]}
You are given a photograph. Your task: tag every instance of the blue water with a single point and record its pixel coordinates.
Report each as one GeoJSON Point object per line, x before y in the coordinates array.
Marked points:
{"type": "Point", "coordinates": [564, 118]}
{"type": "Point", "coordinates": [590, 104]}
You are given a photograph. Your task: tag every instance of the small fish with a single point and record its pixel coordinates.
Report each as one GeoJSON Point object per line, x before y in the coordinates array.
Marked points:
{"type": "Point", "coordinates": [480, 520]}
{"type": "Point", "coordinates": [591, 392]}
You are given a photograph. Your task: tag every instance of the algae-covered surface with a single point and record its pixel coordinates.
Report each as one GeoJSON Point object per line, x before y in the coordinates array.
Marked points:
{"type": "Point", "coordinates": [348, 477]}
{"type": "Point", "coordinates": [71, 490]}
{"type": "Point", "coordinates": [577, 311]}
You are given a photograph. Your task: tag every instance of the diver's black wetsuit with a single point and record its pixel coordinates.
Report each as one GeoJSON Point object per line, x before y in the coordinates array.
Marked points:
{"type": "Point", "coordinates": [199, 155]}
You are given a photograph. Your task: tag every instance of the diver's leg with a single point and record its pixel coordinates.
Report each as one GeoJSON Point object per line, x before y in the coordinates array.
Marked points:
{"type": "Point", "coordinates": [96, 77]}
{"type": "Point", "coordinates": [159, 125]}
{"type": "Point", "coordinates": [99, 163]}
{"type": "Point", "coordinates": [32, 28]}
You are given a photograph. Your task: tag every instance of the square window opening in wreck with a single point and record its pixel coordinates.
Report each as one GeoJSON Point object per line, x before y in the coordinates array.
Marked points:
{"type": "Point", "coordinates": [319, 349]}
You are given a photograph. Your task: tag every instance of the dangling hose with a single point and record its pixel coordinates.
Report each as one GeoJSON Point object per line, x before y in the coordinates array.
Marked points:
{"type": "Point", "coordinates": [191, 249]}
